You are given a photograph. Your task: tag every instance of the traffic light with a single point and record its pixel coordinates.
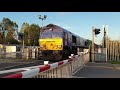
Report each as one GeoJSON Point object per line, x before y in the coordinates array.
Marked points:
{"type": "Point", "coordinates": [97, 31]}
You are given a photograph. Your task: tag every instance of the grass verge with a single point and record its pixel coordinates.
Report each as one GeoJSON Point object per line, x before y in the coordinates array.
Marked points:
{"type": "Point", "coordinates": [114, 62]}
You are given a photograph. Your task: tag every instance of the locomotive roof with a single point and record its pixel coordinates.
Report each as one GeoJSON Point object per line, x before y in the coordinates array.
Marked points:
{"type": "Point", "coordinates": [53, 26]}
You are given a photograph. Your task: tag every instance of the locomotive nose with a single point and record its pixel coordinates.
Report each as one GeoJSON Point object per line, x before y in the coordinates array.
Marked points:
{"type": "Point", "coordinates": [51, 44]}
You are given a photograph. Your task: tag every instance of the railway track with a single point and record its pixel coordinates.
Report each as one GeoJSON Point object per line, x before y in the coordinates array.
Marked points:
{"type": "Point", "coordinates": [19, 64]}
{"type": "Point", "coordinates": [7, 66]}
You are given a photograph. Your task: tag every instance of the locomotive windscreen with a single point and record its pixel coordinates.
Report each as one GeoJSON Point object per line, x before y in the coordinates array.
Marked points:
{"type": "Point", "coordinates": [51, 34]}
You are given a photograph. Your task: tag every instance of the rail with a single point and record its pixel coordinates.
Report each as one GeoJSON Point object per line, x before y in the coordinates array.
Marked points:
{"type": "Point", "coordinates": [62, 69]}
{"type": "Point", "coordinates": [19, 69]}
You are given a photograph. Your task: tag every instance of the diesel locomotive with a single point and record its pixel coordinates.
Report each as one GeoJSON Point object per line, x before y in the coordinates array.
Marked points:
{"type": "Point", "coordinates": [57, 43]}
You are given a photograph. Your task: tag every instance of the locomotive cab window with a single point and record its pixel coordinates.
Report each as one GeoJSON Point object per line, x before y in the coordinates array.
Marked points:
{"type": "Point", "coordinates": [73, 39]}
{"type": "Point", "coordinates": [65, 35]}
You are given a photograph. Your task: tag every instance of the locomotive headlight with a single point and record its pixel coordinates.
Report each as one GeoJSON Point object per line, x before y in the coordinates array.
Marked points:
{"type": "Point", "coordinates": [41, 46]}
{"type": "Point", "coordinates": [59, 46]}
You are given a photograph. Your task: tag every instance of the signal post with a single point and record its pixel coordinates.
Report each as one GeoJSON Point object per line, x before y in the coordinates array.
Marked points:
{"type": "Point", "coordinates": [94, 32]}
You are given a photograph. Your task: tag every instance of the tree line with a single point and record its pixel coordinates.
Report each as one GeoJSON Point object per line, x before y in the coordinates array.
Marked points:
{"type": "Point", "coordinates": [9, 33]}
{"type": "Point", "coordinates": [31, 34]}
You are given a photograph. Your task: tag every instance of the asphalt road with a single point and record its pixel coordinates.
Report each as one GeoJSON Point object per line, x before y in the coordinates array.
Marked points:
{"type": "Point", "coordinates": [97, 70]}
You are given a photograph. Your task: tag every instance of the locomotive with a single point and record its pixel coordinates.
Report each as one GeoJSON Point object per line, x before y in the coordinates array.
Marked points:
{"type": "Point", "coordinates": [57, 43]}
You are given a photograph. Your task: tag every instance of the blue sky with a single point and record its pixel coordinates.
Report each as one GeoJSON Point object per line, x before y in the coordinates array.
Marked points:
{"type": "Point", "coordinates": [78, 22]}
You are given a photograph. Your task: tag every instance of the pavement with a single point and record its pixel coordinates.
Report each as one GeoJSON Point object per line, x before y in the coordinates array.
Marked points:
{"type": "Point", "coordinates": [98, 70]}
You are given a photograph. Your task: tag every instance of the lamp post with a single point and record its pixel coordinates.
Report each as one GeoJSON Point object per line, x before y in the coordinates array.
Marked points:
{"type": "Point", "coordinates": [42, 18]}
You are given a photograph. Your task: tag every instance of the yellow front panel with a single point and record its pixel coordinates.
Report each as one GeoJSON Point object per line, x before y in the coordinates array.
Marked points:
{"type": "Point", "coordinates": [51, 44]}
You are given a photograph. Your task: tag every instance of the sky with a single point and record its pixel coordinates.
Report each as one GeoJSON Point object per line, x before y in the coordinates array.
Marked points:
{"type": "Point", "coordinates": [80, 23]}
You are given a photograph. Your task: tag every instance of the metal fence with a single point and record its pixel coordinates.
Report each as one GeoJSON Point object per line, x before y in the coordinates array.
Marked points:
{"type": "Point", "coordinates": [102, 55]}
{"type": "Point", "coordinates": [62, 69]}
{"type": "Point", "coordinates": [27, 53]}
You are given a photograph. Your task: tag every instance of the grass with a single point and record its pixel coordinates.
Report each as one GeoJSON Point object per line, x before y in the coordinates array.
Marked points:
{"type": "Point", "coordinates": [114, 62]}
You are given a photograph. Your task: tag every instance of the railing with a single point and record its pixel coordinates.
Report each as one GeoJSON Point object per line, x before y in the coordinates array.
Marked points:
{"type": "Point", "coordinates": [26, 53]}
{"type": "Point", "coordinates": [62, 69]}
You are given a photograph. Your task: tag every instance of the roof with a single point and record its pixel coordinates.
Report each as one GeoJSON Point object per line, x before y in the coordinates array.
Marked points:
{"type": "Point", "coordinates": [53, 26]}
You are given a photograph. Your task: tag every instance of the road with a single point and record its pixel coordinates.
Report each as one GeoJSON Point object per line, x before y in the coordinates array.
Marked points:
{"type": "Point", "coordinates": [97, 70]}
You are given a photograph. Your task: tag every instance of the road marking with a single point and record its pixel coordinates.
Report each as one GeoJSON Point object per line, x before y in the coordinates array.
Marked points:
{"type": "Point", "coordinates": [78, 69]}
{"type": "Point", "coordinates": [77, 77]}
{"type": "Point", "coordinates": [98, 66]}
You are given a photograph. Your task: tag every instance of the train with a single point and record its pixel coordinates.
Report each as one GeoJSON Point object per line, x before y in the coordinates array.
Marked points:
{"type": "Point", "coordinates": [57, 43]}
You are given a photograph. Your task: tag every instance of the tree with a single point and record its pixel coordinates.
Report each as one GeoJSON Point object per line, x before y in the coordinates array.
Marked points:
{"type": "Point", "coordinates": [25, 30]}
{"type": "Point", "coordinates": [34, 33]}
{"type": "Point", "coordinates": [31, 33]}
{"type": "Point", "coordinates": [89, 42]}
{"type": "Point", "coordinates": [9, 30]}
{"type": "Point", "coordinates": [24, 27]}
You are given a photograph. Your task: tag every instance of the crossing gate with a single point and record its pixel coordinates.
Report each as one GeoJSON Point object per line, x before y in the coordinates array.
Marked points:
{"type": "Point", "coordinates": [101, 55]}
{"type": "Point", "coordinates": [61, 69]}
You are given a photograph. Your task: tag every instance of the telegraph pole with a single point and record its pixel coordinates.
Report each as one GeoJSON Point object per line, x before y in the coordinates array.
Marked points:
{"type": "Point", "coordinates": [105, 36]}
{"type": "Point", "coordinates": [93, 34]}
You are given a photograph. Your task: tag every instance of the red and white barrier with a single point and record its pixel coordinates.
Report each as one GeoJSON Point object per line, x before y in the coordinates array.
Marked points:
{"type": "Point", "coordinates": [75, 59]}
{"type": "Point", "coordinates": [36, 71]}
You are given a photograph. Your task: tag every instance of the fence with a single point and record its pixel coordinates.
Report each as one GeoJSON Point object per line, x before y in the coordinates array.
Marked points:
{"type": "Point", "coordinates": [62, 69]}
{"type": "Point", "coordinates": [101, 55]}
{"type": "Point", "coordinates": [27, 53]}
{"type": "Point", "coordinates": [113, 50]}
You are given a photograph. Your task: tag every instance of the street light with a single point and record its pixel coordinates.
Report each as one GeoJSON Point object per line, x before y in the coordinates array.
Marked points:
{"type": "Point", "coordinates": [42, 18]}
